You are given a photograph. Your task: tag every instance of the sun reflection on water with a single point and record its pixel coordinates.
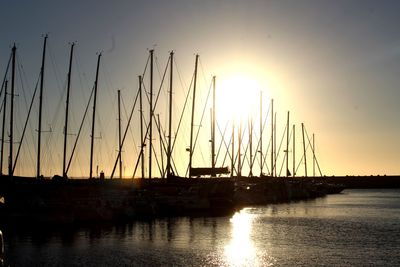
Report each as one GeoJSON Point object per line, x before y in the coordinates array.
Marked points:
{"type": "Point", "coordinates": [242, 250]}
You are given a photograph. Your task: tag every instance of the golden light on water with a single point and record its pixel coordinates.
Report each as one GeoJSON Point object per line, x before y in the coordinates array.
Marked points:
{"type": "Point", "coordinates": [241, 251]}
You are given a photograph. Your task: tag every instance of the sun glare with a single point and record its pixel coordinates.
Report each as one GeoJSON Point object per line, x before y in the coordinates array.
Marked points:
{"type": "Point", "coordinates": [240, 251]}
{"type": "Point", "coordinates": [237, 98]}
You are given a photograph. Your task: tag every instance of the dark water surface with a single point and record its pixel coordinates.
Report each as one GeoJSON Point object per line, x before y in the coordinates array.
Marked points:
{"type": "Point", "coordinates": [355, 228]}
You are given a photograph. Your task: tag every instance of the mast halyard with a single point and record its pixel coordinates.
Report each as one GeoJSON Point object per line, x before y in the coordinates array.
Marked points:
{"type": "Point", "coordinates": [192, 120]}
{"type": "Point", "coordinates": [233, 148]}
{"type": "Point", "coordinates": [94, 116]}
{"type": "Point", "coordinates": [294, 151]}
{"type": "Point", "coordinates": [213, 130]}
{"type": "Point", "coordinates": [304, 151]}
{"type": "Point", "coordinates": [239, 170]}
{"type": "Point", "coordinates": [287, 146]}
{"type": "Point", "coordinates": [40, 107]}
{"type": "Point", "coordinates": [272, 138]}
{"type": "Point", "coordinates": [261, 132]}
{"type": "Point", "coordinates": [64, 173]}
{"type": "Point", "coordinates": [119, 134]}
{"type": "Point", "coordinates": [4, 124]}
{"type": "Point", "coordinates": [151, 111]}
{"type": "Point", "coordinates": [142, 141]}
{"type": "Point", "coordinates": [251, 146]}
{"type": "Point", "coordinates": [169, 152]}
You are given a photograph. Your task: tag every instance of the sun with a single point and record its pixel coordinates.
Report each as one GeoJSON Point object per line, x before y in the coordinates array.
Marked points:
{"type": "Point", "coordinates": [238, 98]}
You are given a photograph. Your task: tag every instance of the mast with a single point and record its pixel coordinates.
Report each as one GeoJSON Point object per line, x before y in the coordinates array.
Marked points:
{"type": "Point", "coordinates": [158, 124]}
{"type": "Point", "coordinates": [287, 145]}
{"type": "Point", "coordinates": [151, 110]}
{"type": "Point", "coordinates": [313, 150]}
{"type": "Point", "coordinates": [2, 130]}
{"type": "Point", "coordinates": [275, 157]}
{"type": "Point", "coordinates": [94, 116]}
{"type": "Point", "coordinates": [261, 131]}
{"type": "Point", "coordinates": [272, 137]}
{"type": "Point", "coordinates": [119, 134]}
{"type": "Point", "coordinates": [239, 171]}
{"type": "Point", "coordinates": [233, 148]}
{"type": "Point", "coordinates": [304, 150]}
{"type": "Point", "coordinates": [251, 146]}
{"type": "Point", "coordinates": [169, 152]}
{"type": "Point", "coordinates": [294, 151]}
{"type": "Point", "coordinates": [66, 110]}
{"type": "Point", "coordinates": [192, 120]}
{"type": "Point", "coordinates": [142, 142]}
{"type": "Point", "coordinates": [40, 107]}
{"type": "Point", "coordinates": [213, 129]}
{"type": "Point", "coordinates": [10, 157]}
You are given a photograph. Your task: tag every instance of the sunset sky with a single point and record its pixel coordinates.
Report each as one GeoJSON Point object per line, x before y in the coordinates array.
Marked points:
{"type": "Point", "coordinates": [335, 65]}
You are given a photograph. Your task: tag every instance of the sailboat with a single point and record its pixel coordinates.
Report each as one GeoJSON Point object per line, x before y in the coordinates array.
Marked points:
{"type": "Point", "coordinates": [65, 200]}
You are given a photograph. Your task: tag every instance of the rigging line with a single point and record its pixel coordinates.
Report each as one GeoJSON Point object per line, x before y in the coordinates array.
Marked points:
{"type": "Point", "coordinates": [182, 113]}
{"type": "Point", "coordinates": [125, 133]}
{"type": "Point", "coordinates": [152, 112]}
{"type": "Point", "coordinates": [26, 123]}
{"type": "Point", "coordinates": [79, 131]}
{"type": "Point", "coordinates": [22, 75]}
{"type": "Point", "coordinates": [227, 153]}
{"type": "Point", "coordinates": [301, 159]}
{"type": "Point", "coordinates": [54, 65]}
{"type": "Point", "coordinates": [265, 158]}
{"type": "Point", "coordinates": [222, 139]}
{"type": "Point", "coordinates": [5, 74]}
{"type": "Point", "coordinates": [279, 148]}
{"type": "Point", "coordinates": [163, 148]}
{"type": "Point", "coordinates": [287, 153]}
{"type": "Point", "coordinates": [313, 150]}
{"type": "Point", "coordinates": [201, 119]}
{"type": "Point", "coordinates": [262, 131]}
{"type": "Point", "coordinates": [130, 129]}
{"type": "Point", "coordinates": [202, 71]}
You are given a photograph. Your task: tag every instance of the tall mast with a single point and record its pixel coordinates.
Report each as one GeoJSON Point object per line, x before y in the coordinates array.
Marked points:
{"type": "Point", "coordinates": [142, 141]}
{"type": "Point", "coordinates": [304, 151]}
{"type": "Point", "coordinates": [169, 153]}
{"type": "Point", "coordinates": [158, 124]}
{"type": "Point", "coordinates": [213, 130]}
{"type": "Point", "coordinates": [287, 145]}
{"type": "Point", "coordinates": [10, 157]}
{"type": "Point", "coordinates": [66, 110]}
{"type": "Point", "coordinates": [239, 171]}
{"type": "Point", "coordinates": [251, 146]}
{"type": "Point", "coordinates": [192, 120]}
{"type": "Point", "coordinates": [272, 137]}
{"type": "Point", "coordinates": [275, 146]}
{"type": "Point", "coordinates": [313, 150]}
{"type": "Point", "coordinates": [119, 134]}
{"type": "Point", "coordinates": [2, 129]}
{"type": "Point", "coordinates": [261, 131]}
{"type": "Point", "coordinates": [151, 110]}
{"type": "Point", "coordinates": [233, 148]}
{"type": "Point", "coordinates": [94, 116]}
{"type": "Point", "coordinates": [294, 151]}
{"type": "Point", "coordinates": [40, 107]}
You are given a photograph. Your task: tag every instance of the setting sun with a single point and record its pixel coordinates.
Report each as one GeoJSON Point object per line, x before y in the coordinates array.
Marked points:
{"type": "Point", "coordinates": [237, 98]}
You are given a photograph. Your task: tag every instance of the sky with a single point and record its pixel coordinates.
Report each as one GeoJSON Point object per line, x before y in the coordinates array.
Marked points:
{"type": "Point", "coordinates": [335, 65]}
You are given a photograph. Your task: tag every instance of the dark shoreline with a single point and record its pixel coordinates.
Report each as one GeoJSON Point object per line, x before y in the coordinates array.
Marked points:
{"type": "Point", "coordinates": [92, 200]}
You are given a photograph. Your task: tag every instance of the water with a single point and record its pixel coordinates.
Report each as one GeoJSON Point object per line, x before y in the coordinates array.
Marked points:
{"type": "Point", "coordinates": [355, 228]}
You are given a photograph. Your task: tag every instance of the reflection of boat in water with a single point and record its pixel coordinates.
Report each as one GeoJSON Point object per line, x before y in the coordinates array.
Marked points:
{"type": "Point", "coordinates": [1, 249]}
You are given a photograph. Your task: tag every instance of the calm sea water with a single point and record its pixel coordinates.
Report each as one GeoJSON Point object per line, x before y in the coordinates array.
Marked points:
{"type": "Point", "coordinates": [355, 228]}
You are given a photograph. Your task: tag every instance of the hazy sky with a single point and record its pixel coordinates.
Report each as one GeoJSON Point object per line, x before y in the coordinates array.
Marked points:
{"type": "Point", "coordinates": [334, 64]}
